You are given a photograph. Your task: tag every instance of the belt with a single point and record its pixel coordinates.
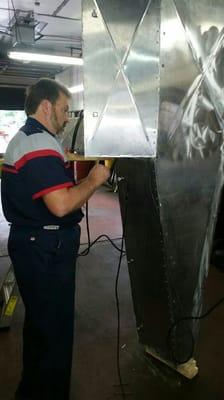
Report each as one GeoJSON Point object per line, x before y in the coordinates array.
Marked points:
{"type": "Point", "coordinates": [51, 227]}
{"type": "Point", "coordinates": [45, 227]}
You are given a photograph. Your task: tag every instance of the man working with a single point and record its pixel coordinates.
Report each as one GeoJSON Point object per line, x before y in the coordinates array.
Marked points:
{"type": "Point", "coordinates": [42, 204]}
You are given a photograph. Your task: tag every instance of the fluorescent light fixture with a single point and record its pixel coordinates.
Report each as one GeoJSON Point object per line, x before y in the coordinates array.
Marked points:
{"type": "Point", "coordinates": [76, 89]}
{"type": "Point", "coordinates": [17, 55]}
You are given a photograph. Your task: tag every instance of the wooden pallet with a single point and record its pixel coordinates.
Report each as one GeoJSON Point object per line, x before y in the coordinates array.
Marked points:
{"type": "Point", "coordinates": [188, 369]}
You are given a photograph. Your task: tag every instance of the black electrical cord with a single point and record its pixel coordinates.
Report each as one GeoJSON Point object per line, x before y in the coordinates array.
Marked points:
{"type": "Point", "coordinates": [117, 297]}
{"type": "Point", "coordinates": [75, 133]}
{"type": "Point", "coordinates": [112, 181]}
{"type": "Point", "coordinates": [189, 318]}
{"type": "Point", "coordinates": [85, 252]}
{"type": "Point", "coordinates": [122, 252]}
{"type": "Point", "coordinates": [118, 322]}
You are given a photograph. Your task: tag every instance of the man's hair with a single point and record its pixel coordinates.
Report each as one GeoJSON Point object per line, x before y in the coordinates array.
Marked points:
{"type": "Point", "coordinates": [44, 89]}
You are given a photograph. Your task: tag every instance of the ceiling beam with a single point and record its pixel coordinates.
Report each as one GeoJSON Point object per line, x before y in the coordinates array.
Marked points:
{"type": "Point", "coordinates": [43, 15]}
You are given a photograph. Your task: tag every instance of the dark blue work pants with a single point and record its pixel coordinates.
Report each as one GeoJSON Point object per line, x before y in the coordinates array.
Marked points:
{"type": "Point", "coordinates": [44, 265]}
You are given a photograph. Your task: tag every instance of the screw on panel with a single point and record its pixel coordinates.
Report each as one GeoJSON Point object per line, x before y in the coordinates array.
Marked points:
{"type": "Point", "coordinates": [139, 327]}
{"type": "Point", "coordinates": [94, 14]}
{"type": "Point", "coordinates": [120, 178]}
{"type": "Point", "coordinates": [95, 114]}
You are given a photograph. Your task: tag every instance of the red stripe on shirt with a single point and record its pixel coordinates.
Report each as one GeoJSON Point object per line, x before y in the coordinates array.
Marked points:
{"type": "Point", "coordinates": [51, 189]}
{"type": "Point", "coordinates": [35, 154]}
{"type": "Point", "coordinates": [7, 169]}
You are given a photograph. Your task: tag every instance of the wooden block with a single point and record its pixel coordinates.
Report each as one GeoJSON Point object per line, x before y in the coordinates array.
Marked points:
{"type": "Point", "coordinates": [78, 157]}
{"type": "Point", "coordinates": [188, 369]}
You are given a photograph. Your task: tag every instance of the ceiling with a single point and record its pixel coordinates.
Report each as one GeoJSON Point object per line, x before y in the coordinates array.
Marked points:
{"type": "Point", "coordinates": [45, 26]}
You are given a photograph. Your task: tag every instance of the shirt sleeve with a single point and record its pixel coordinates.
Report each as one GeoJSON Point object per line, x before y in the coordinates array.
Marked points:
{"type": "Point", "coordinates": [44, 174]}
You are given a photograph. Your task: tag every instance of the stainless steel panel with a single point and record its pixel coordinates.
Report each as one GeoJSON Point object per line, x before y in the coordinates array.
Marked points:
{"type": "Point", "coordinates": [173, 198]}
{"type": "Point", "coordinates": [171, 215]}
{"type": "Point", "coordinates": [145, 251]}
{"type": "Point", "coordinates": [100, 66]}
{"type": "Point", "coordinates": [189, 167]}
{"type": "Point", "coordinates": [203, 24]}
{"type": "Point", "coordinates": [121, 77]}
{"type": "Point", "coordinates": [142, 71]}
{"type": "Point", "coordinates": [122, 19]}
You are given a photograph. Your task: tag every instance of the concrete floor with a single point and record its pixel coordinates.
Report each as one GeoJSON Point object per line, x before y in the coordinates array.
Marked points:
{"type": "Point", "coordinates": [94, 374]}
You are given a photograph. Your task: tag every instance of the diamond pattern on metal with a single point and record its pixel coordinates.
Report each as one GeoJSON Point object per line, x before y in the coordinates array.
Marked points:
{"type": "Point", "coordinates": [112, 134]}
{"type": "Point", "coordinates": [120, 112]}
{"type": "Point", "coordinates": [122, 22]}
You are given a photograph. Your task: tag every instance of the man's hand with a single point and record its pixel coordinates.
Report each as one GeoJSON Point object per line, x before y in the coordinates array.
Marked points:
{"type": "Point", "coordinates": [63, 201]}
{"type": "Point", "coordinates": [98, 175]}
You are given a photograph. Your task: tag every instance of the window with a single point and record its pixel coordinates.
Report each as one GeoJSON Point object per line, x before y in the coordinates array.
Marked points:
{"type": "Point", "coordinates": [10, 122]}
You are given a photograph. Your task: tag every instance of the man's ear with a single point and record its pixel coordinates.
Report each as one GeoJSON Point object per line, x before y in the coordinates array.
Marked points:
{"type": "Point", "coordinates": [46, 107]}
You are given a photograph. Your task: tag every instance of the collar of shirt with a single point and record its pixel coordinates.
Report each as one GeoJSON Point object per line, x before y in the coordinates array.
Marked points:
{"type": "Point", "coordinates": [33, 126]}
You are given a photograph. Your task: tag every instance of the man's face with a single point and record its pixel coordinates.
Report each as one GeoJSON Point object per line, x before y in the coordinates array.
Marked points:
{"type": "Point", "coordinates": [59, 114]}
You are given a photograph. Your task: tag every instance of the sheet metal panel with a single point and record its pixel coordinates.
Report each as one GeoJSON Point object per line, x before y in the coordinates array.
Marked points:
{"type": "Point", "coordinates": [121, 77]}
{"type": "Point", "coordinates": [188, 179]}
{"type": "Point", "coordinates": [132, 49]}
{"type": "Point", "coordinates": [189, 167]}
{"type": "Point", "coordinates": [146, 258]}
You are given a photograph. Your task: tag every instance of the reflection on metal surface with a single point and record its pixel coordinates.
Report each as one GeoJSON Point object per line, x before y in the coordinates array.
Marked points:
{"type": "Point", "coordinates": [154, 77]}
{"type": "Point", "coordinates": [189, 167]}
{"type": "Point", "coordinates": [121, 52]}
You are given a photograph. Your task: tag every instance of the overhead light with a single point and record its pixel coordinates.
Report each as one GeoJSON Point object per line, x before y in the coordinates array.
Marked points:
{"type": "Point", "coordinates": [76, 89]}
{"type": "Point", "coordinates": [17, 55]}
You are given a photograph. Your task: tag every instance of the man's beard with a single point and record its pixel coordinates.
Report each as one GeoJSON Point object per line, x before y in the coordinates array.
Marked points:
{"type": "Point", "coordinates": [54, 120]}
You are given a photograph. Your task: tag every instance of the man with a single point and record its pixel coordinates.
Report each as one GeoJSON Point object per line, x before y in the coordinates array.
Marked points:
{"type": "Point", "coordinates": [42, 204]}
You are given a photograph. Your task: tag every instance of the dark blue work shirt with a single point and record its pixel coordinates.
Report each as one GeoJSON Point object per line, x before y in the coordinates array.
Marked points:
{"type": "Point", "coordinates": [34, 165]}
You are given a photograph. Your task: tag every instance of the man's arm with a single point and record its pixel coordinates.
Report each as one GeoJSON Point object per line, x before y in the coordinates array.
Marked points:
{"type": "Point", "coordinates": [63, 201]}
